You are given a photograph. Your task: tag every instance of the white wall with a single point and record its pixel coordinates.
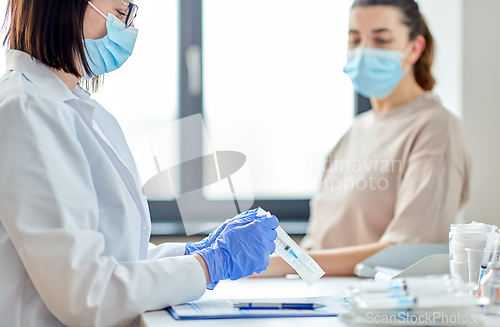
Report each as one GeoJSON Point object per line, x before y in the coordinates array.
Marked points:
{"type": "Point", "coordinates": [445, 21]}
{"type": "Point", "coordinates": [444, 18]}
{"type": "Point", "coordinates": [467, 69]}
{"type": "Point", "coordinates": [481, 106]}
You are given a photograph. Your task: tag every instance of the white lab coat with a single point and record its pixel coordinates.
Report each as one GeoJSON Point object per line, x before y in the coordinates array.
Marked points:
{"type": "Point", "coordinates": [74, 226]}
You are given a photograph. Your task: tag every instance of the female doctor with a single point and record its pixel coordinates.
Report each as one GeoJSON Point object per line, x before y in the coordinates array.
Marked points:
{"type": "Point", "coordinates": [74, 227]}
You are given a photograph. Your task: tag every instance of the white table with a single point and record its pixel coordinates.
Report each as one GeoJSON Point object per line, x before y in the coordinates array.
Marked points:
{"type": "Point", "coordinates": [260, 288]}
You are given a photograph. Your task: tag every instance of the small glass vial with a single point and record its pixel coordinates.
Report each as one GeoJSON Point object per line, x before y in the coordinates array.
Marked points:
{"type": "Point", "coordinates": [490, 285]}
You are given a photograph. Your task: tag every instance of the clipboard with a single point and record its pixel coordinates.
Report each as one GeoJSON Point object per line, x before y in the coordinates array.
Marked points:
{"type": "Point", "coordinates": [224, 309]}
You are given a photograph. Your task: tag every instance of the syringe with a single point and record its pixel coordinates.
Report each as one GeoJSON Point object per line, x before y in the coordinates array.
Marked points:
{"type": "Point", "coordinates": [292, 253]}
{"type": "Point", "coordinates": [297, 258]}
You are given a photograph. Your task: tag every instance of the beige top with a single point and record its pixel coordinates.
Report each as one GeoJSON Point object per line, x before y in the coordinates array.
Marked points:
{"type": "Point", "coordinates": [399, 176]}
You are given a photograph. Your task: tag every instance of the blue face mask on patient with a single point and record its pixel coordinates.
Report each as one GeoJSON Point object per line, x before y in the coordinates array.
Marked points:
{"type": "Point", "coordinates": [375, 72]}
{"type": "Point", "coordinates": [109, 53]}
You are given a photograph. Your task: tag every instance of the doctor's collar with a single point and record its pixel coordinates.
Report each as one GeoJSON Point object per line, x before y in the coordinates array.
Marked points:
{"type": "Point", "coordinates": [40, 75]}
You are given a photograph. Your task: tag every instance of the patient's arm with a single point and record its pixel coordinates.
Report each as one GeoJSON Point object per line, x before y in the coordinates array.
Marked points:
{"type": "Point", "coordinates": [335, 262]}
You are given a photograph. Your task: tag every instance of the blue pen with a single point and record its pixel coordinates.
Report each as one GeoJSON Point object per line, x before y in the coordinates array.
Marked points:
{"type": "Point", "coordinates": [277, 306]}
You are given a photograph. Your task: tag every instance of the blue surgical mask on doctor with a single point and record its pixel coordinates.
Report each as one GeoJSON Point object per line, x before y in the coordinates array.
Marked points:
{"type": "Point", "coordinates": [375, 72]}
{"type": "Point", "coordinates": [110, 52]}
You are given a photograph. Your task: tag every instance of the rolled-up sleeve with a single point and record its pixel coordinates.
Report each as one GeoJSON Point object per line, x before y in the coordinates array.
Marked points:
{"type": "Point", "coordinates": [433, 187]}
{"type": "Point", "coordinates": [428, 201]}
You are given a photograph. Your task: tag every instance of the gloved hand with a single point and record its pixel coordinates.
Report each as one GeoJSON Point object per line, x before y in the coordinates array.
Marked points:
{"type": "Point", "coordinates": [238, 220]}
{"type": "Point", "coordinates": [241, 251]}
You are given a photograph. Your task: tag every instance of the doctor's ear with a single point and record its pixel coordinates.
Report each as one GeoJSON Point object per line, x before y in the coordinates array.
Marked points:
{"type": "Point", "coordinates": [416, 51]}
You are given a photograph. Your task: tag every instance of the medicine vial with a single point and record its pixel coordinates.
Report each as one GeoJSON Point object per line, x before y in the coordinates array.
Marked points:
{"type": "Point", "coordinates": [490, 285]}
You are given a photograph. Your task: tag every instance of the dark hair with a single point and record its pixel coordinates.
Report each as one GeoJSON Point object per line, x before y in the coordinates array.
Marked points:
{"type": "Point", "coordinates": [418, 26]}
{"type": "Point", "coordinates": [50, 31]}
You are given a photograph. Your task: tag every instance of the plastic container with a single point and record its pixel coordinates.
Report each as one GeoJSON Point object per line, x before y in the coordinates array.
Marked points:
{"type": "Point", "coordinates": [472, 236]}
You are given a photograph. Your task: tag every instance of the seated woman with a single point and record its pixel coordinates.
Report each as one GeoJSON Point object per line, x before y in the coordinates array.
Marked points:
{"type": "Point", "coordinates": [401, 172]}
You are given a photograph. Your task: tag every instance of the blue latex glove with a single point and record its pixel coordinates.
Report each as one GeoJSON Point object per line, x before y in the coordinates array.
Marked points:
{"type": "Point", "coordinates": [241, 251]}
{"type": "Point", "coordinates": [238, 220]}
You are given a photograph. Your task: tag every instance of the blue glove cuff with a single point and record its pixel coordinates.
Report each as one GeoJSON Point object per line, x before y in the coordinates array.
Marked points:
{"type": "Point", "coordinates": [190, 248]}
{"type": "Point", "coordinates": [209, 260]}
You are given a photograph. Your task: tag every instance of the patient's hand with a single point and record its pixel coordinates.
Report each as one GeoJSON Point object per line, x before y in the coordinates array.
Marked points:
{"type": "Point", "coordinates": [277, 268]}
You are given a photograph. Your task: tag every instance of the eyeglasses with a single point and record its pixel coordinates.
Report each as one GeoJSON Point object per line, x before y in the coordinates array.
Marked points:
{"type": "Point", "coordinates": [132, 12]}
